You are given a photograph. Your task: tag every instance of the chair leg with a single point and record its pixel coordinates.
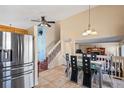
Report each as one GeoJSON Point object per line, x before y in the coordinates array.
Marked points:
{"type": "Point", "coordinates": [69, 73]}
{"type": "Point", "coordinates": [112, 81]}
{"type": "Point", "coordinates": [80, 78]}
{"type": "Point", "coordinates": [66, 72]}
{"type": "Point", "coordinates": [94, 79]}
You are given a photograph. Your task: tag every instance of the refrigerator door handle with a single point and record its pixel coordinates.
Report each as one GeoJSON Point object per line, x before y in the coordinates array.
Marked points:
{"type": "Point", "coordinates": [6, 54]}
{"type": "Point", "coordinates": [11, 59]}
{"type": "Point", "coordinates": [22, 49]}
{"type": "Point", "coordinates": [21, 44]}
{"type": "Point", "coordinates": [18, 48]}
{"type": "Point", "coordinates": [20, 54]}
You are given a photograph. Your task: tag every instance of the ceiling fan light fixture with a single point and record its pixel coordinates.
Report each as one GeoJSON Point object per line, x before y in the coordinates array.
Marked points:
{"type": "Point", "coordinates": [46, 25]}
{"type": "Point", "coordinates": [44, 22]}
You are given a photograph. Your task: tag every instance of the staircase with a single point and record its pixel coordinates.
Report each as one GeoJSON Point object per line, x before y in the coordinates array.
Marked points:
{"type": "Point", "coordinates": [51, 59]}
{"type": "Point", "coordinates": [53, 55]}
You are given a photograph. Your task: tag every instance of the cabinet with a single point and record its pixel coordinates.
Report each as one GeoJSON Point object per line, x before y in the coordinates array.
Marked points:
{"type": "Point", "coordinates": [96, 50]}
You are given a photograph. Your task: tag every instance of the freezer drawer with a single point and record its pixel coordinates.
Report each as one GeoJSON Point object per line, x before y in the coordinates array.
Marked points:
{"type": "Point", "coordinates": [15, 70]}
{"type": "Point", "coordinates": [20, 81]}
{"type": "Point", "coordinates": [6, 65]}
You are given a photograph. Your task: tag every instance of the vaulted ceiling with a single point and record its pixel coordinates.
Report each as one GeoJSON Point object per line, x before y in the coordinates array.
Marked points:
{"type": "Point", "coordinates": [20, 15]}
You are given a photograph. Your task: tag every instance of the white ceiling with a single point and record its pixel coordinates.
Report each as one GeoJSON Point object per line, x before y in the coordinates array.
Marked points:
{"type": "Point", "coordinates": [20, 15]}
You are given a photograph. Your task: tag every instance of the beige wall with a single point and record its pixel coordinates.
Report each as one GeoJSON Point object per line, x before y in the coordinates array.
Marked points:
{"type": "Point", "coordinates": [106, 20]}
{"type": "Point", "coordinates": [52, 35]}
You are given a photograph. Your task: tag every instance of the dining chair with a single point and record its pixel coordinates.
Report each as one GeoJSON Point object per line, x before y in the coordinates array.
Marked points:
{"type": "Point", "coordinates": [93, 57]}
{"type": "Point", "coordinates": [107, 69]}
{"type": "Point", "coordinates": [74, 68]}
{"type": "Point", "coordinates": [110, 73]}
{"type": "Point", "coordinates": [87, 78]}
{"type": "Point", "coordinates": [94, 75]}
{"type": "Point", "coordinates": [67, 64]}
{"type": "Point", "coordinates": [84, 54]}
{"type": "Point", "coordinates": [80, 71]}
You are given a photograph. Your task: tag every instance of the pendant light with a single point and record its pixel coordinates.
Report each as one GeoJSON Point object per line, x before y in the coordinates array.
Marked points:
{"type": "Point", "coordinates": [89, 31]}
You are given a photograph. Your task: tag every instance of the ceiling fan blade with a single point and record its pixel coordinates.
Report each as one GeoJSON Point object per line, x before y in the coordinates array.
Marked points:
{"type": "Point", "coordinates": [36, 20]}
{"type": "Point", "coordinates": [39, 24]}
{"type": "Point", "coordinates": [50, 21]}
{"type": "Point", "coordinates": [48, 25]}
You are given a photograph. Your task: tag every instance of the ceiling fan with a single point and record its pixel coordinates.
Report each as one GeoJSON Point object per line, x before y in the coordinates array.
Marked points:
{"type": "Point", "coordinates": [43, 21]}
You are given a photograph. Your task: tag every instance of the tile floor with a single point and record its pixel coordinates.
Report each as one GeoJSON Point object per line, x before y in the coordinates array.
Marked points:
{"type": "Point", "coordinates": [55, 78]}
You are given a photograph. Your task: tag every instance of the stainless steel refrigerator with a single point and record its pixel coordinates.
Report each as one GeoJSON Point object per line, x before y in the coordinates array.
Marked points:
{"type": "Point", "coordinates": [16, 60]}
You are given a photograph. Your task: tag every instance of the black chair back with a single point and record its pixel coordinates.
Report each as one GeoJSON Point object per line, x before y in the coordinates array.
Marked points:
{"type": "Point", "coordinates": [67, 62]}
{"type": "Point", "coordinates": [87, 72]}
{"type": "Point", "coordinates": [74, 68]}
{"type": "Point", "coordinates": [93, 57]}
{"type": "Point", "coordinates": [84, 55]}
